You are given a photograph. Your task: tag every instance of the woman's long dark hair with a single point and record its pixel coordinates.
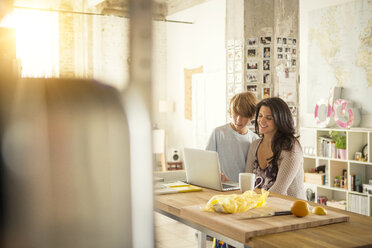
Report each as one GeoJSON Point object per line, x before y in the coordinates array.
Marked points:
{"type": "Point", "coordinates": [285, 137]}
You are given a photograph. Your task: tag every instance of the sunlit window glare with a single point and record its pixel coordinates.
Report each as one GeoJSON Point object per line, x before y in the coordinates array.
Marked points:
{"type": "Point", "coordinates": [36, 41]}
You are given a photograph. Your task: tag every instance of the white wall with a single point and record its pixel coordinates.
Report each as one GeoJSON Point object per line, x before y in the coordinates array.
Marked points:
{"type": "Point", "coordinates": [307, 119]}
{"type": "Point", "coordinates": [189, 46]}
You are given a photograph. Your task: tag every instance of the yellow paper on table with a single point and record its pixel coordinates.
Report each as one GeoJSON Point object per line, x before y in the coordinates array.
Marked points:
{"type": "Point", "coordinates": [236, 203]}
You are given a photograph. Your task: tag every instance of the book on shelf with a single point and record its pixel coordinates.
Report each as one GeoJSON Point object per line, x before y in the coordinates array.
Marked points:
{"type": "Point", "coordinates": [327, 147]}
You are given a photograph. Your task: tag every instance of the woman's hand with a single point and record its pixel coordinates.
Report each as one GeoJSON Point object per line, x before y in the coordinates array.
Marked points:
{"type": "Point", "coordinates": [224, 178]}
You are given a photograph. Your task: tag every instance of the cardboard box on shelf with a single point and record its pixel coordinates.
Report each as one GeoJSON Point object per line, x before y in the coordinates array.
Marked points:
{"type": "Point", "coordinates": [315, 178]}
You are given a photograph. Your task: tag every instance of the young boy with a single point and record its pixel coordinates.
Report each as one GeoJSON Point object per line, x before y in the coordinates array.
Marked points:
{"type": "Point", "coordinates": [232, 140]}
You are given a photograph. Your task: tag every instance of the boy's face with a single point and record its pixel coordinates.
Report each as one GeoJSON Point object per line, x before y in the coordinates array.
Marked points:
{"type": "Point", "coordinates": [239, 122]}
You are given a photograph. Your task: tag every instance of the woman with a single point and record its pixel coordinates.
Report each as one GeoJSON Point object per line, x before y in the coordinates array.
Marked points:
{"type": "Point", "coordinates": [277, 155]}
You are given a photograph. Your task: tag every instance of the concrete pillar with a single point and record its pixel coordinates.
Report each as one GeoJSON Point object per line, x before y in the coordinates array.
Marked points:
{"type": "Point", "coordinates": [262, 18]}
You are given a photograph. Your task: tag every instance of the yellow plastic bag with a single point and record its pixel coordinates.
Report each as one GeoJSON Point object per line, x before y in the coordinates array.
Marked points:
{"type": "Point", "coordinates": [236, 203]}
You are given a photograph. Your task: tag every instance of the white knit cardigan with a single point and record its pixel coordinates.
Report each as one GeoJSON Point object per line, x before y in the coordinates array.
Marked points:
{"type": "Point", "coordinates": [290, 177]}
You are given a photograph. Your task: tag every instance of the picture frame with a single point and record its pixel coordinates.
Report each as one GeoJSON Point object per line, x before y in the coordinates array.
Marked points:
{"type": "Point", "coordinates": [252, 65]}
{"type": "Point", "coordinates": [293, 109]}
{"type": "Point", "coordinates": [266, 52]}
{"type": "Point", "coordinates": [266, 92]}
{"type": "Point", "coordinates": [238, 54]}
{"type": "Point", "coordinates": [266, 78]}
{"type": "Point", "coordinates": [294, 42]}
{"type": "Point", "coordinates": [230, 53]}
{"type": "Point", "coordinates": [252, 88]}
{"type": "Point", "coordinates": [252, 41]}
{"type": "Point", "coordinates": [251, 52]}
{"type": "Point", "coordinates": [238, 77]}
{"type": "Point", "coordinates": [294, 62]}
{"type": "Point", "coordinates": [266, 65]}
{"type": "Point", "coordinates": [266, 40]}
{"type": "Point", "coordinates": [251, 77]}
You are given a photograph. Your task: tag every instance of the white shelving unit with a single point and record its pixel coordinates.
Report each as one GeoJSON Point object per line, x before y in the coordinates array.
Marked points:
{"type": "Point", "coordinates": [356, 139]}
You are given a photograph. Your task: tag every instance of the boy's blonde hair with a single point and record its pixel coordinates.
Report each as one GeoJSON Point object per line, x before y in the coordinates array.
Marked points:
{"type": "Point", "coordinates": [243, 104]}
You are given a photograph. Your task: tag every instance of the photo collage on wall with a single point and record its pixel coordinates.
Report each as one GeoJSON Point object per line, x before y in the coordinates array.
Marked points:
{"type": "Point", "coordinates": [258, 68]}
{"type": "Point", "coordinates": [286, 49]}
{"type": "Point", "coordinates": [286, 54]}
{"type": "Point", "coordinates": [235, 70]}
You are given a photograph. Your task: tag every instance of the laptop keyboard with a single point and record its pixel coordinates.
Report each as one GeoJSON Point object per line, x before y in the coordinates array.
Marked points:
{"type": "Point", "coordinates": [229, 186]}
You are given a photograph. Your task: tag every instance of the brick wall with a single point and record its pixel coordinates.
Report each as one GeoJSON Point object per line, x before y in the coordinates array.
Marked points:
{"type": "Point", "coordinates": [111, 50]}
{"type": "Point", "coordinates": [66, 42]}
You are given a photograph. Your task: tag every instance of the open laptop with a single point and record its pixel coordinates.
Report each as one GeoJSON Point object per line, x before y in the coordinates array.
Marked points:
{"type": "Point", "coordinates": [203, 169]}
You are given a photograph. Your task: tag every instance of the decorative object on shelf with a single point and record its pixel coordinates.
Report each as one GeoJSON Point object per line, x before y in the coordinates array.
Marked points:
{"type": "Point", "coordinates": [345, 115]}
{"type": "Point", "coordinates": [358, 156]}
{"type": "Point", "coordinates": [310, 195]}
{"type": "Point", "coordinates": [367, 188]}
{"type": "Point", "coordinates": [322, 200]}
{"type": "Point", "coordinates": [344, 175]}
{"type": "Point", "coordinates": [323, 114]}
{"type": "Point", "coordinates": [340, 144]}
{"type": "Point", "coordinates": [334, 110]}
{"type": "Point", "coordinates": [309, 151]}
{"type": "Point", "coordinates": [365, 152]}
{"type": "Point", "coordinates": [323, 109]}
{"type": "Point", "coordinates": [336, 182]}
{"type": "Point", "coordinates": [320, 168]}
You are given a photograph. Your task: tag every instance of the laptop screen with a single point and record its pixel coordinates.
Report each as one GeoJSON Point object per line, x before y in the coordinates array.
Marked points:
{"type": "Point", "coordinates": [202, 168]}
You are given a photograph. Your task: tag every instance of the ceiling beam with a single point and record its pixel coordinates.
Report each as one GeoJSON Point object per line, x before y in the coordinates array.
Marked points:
{"type": "Point", "coordinates": [174, 6]}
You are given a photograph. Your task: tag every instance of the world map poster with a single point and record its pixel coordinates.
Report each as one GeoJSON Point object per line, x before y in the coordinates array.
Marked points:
{"type": "Point", "coordinates": [340, 53]}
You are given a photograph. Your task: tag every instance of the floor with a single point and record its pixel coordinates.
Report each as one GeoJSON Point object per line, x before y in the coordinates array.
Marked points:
{"type": "Point", "coordinates": [173, 234]}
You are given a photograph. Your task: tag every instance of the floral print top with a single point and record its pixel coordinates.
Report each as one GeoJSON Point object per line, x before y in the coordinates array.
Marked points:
{"type": "Point", "coordinates": [269, 175]}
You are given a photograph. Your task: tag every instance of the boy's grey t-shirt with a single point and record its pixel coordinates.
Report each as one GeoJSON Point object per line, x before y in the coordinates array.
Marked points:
{"type": "Point", "coordinates": [232, 149]}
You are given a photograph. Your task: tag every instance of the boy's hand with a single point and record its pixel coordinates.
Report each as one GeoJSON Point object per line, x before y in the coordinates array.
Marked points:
{"type": "Point", "coordinates": [224, 178]}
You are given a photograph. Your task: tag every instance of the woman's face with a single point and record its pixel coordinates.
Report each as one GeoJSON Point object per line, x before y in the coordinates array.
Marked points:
{"type": "Point", "coordinates": [240, 123]}
{"type": "Point", "coordinates": [265, 120]}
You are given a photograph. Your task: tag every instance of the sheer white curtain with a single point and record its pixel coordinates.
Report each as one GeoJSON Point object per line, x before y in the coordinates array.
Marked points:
{"type": "Point", "coordinates": [208, 105]}
{"type": "Point", "coordinates": [199, 110]}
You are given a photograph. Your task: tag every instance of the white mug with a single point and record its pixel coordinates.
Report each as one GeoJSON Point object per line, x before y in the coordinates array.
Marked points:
{"type": "Point", "coordinates": [247, 181]}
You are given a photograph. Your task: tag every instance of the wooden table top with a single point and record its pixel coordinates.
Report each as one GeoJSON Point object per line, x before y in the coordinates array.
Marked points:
{"type": "Point", "coordinates": [356, 232]}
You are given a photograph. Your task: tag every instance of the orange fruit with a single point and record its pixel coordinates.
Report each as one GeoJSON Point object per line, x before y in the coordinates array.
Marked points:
{"type": "Point", "coordinates": [300, 208]}
{"type": "Point", "coordinates": [319, 210]}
